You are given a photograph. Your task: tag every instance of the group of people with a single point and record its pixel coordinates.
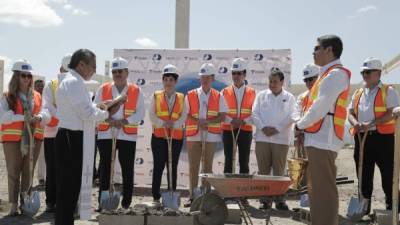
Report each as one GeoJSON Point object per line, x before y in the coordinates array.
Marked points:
{"type": "Point", "coordinates": [205, 117]}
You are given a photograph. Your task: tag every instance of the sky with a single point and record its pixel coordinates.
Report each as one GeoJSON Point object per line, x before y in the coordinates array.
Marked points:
{"type": "Point", "coordinates": [42, 31]}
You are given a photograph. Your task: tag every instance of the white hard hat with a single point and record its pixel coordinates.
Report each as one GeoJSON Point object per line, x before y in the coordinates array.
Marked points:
{"type": "Point", "coordinates": [207, 69]}
{"type": "Point", "coordinates": [310, 70]}
{"type": "Point", "coordinates": [238, 64]}
{"type": "Point", "coordinates": [65, 61]}
{"type": "Point", "coordinates": [119, 63]}
{"type": "Point", "coordinates": [371, 63]}
{"type": "Point", "coordinates": [22, 65]}
{"type": "Point", "coordinates": [170, 69]}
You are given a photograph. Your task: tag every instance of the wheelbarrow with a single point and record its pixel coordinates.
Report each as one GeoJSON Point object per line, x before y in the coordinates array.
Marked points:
{"type": "Point", "coordinates": [211, 208]}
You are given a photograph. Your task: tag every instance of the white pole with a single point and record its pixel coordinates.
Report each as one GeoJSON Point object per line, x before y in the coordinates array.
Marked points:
{"type": "Point", "coordinates": [1, 76]}
{"type": "Point", "coordinates": [395, 187]}
{"type": "Point", "coordinates": [182, 23]}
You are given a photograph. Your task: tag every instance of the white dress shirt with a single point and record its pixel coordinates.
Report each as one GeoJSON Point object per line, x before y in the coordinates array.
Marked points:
{"type": "Point", "coordinates": [135, 118]}
{"type": "Point", "coordinates": [7, 116]}
{"type": "Point", "coordinates": [367, 102]}
{"type": "Point", "coordinates": [330, 88]}
{"type": "Point", "coordinates": [203, 103]}
{"type": "Point", "coordinates": [74, 105]}
{"type": "Point", "coordinates": [155, 120]}
{"type": "Point", "coordinates": [274, 111]}
{"type": "Point", "coordinates": [48, 104]}
{"type": "Point", "coordinates": [239, 93]}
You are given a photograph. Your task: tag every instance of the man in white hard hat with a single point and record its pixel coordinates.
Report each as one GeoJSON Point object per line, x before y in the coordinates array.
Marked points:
{"type": "Point", "coordinates": [239, 99]}
{"type": "Point", "coordinates": [273, 114]}
{"type": "Point", "coordinates": [122, 124]}
{"type": "Point", "coordinates": [206, 109]}
{"type": "Point", "coordinates": [50, 132]}
{"type": "Point", "coordinates": [167, 115]}
{"type": "Point", "coordinates": [371, 111]}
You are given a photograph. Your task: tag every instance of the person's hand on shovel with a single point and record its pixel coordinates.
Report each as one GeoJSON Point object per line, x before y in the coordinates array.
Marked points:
{"type": "Point", "coordinates": [169, 124]}
{"type": "Point", "coordinates": [35, 119]}
{"type": "Point", "coordinates": [236, 123]}
{"type": "Point", "coordinates": [203, 124]}
{"type": "Point", "coordinates": [396, 112]}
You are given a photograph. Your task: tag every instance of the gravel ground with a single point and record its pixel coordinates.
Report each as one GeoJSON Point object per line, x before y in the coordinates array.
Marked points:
{"type": "Point", "coordinates": [345, 168]}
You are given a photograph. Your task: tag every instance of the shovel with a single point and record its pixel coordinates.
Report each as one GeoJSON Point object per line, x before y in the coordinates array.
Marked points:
{"type": "Point", "coordinates": [31, 200]}
{"type": "Point", "coordinates": [198, 191]}
{"type": "Point", "coordinates": [358, 206]}
{"type": "Point", "coordinates": [110, 198]}
{"type": "Point", "coordinates": [234, 150]}
{"type": "Point", "coordinates": [170, 199]}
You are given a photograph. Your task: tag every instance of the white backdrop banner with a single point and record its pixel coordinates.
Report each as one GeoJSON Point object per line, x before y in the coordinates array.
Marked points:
{"type": "Point", "coordinates": [145, 66]}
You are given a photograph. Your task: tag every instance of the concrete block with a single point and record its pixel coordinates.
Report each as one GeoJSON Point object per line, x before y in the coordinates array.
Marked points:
{"type": "Point", "coordinates": [234, 215]}
{"type": "Point", "coordinates": [169, 220]}
{"type": "Point", "coordinates": [383, 217]}
{"type": "Point", "coordinates": [105, 219]}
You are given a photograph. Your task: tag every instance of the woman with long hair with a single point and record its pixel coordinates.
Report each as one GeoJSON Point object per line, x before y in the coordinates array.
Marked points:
{"type": "Point", "coordinates": [19, 105]}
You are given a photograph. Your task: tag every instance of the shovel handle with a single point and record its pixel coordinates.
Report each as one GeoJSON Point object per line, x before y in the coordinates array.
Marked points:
{"type": "Point", "coordinates": [169, 143]}
{"type": "Point", "coordinates": [361, 141]}
{"type": "Point", "coordinates": [30, 148]}
{"type": "Point", "coordinates": [234, 141]}
{"type": "Point", "coordinates": [114, 134]}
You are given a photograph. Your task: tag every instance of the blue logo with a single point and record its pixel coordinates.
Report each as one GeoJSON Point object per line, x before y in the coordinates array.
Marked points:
{"type": "Point", "coordinates": [25, 67]}
{"type": "Point", "coordinates": [258, 57]}
{"type": "Point", "coordinates": [139, 161]}
{"type": "Point", "coordinates": [114, 65]}
{"type": "Point", "coordinates": [157, 57]}
{"type": "Point", "coordinates": [365, 64]}
{"type": "Point", "coordinates": [207, 57]}
{"type": "Point", "coordinates": [203, 71]}
{"type": "Point", "coordinates": [235, 66]}
{"type": "Point", "coordinates": [141, 122]}
{"type": "Point", "coordinates": [140, 81]}
{"type": "Point", "coordinates": [306, 72]}
{"type": "Point", "coordinates": [223, 69]}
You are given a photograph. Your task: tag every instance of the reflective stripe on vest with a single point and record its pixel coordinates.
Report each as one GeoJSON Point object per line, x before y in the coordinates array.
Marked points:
{"type": "Point", "coordinates": [54, 121]}
{"type": "Point", "coordinates": [245, 106]}
{"type": "Point", "coordinates": [340, 112]}
{"type": "Point", "coordinates": [129, 106]}
{"type": "Point", "coordinates": [162, 112]}
{"type": "Point", "coordinates": [12, 132]}
{"type": "Point", "coordinates": [194, 108]}
{"type": "Point", "coordinates": [379, 110]}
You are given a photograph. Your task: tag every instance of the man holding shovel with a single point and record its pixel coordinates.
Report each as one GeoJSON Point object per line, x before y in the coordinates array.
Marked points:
{"type": "Point", "coordinates": [167, 114]}
{"type": "Point", "coordinates": [122, 126]}
{"type": "Point", "coordinates": [206, 109]}
{"type": "Point", "coordinates": [370, 111]}
{"type": "Point", "coordinates": [237, 127]}
{"type": "Point", "coordinates": [323, 126]}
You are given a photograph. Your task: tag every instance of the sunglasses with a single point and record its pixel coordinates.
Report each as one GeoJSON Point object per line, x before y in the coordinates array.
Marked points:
{"type": "Point", "coordinates": [306, 80]}
{"type": "Point", "coordinates": [25, 75]}
{"type": "Point", "coordinates": [316, 48]}
{"type": "Point", "coordinates": [117, 71]}
{"type": "Point", "coordinates": [367, 72]}
{"type": "Point", "coordinates": [237, 73]}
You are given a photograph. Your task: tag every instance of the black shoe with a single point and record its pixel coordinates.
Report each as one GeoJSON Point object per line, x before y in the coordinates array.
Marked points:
{"type": "Point", "coordinates": [42, 182]}
{"type": "Point", "coordinates": [50, 208]}
{"type": "Point", "coordinates": [281, 206]}
{"type": "Point", "coordinates": [188, 203]}
{"type": "Point", "coordinates": [265, 205]}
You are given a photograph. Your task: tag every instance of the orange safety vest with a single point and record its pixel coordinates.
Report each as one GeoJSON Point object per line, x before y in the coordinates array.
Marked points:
{"type": "Point", "coordinates": [245, 108]}
{"type": "Point", "coordinates": [129, 106]}
{"type": "Point", "coordinates": [12, 132]}
{"type": "Point", "coordinates": [340, 113]}
{"type": "Point", "coordinates": [379, 110]}
{"type": "Point", "coordinates": [304, 100]}
{"type": "Point", "coordinates": [162, 112]}
{"type": "Point", "coordinates": [213, 107]}
{"type": "Point", "coordinates": [54, 120]}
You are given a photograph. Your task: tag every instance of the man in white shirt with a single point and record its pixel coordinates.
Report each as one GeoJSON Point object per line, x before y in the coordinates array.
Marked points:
{"type": "Point", "coordinates": [370, 111]}
{"type": "Point", "coordinates": [239, 99]}
{"type": "Point", "coordinates": [206, 109]}
{"type": "Point", "coordinates": [122, 124]}
{"type": "Point", "coordinates": [50, 131]}
{"type": "Point", "coordinates": [41, 163]}
{"type": "Point", "coordinates": [273, 114]}
{"type": "Point", "coordinates": [323, 124]}
{"type": "Point", "coordinates": [167, 115]}
{"type": "Point", "coordinates": [74, 107]}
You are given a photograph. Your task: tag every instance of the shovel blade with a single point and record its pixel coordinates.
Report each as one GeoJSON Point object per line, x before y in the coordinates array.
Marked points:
{"type": "Point", "coordinates": [109, 200]}
{"type": "Point", "coordinates": [31, 204]}
{"type": "Point", "coordinates": [357, 209]}
{"type": "Point", "coordinates": [171, 199]}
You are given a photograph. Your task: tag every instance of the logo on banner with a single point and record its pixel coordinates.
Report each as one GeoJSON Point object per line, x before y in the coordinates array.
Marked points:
{"type": "Point", "coordinates": [157, 57]}
{"type": "Point", "coordinates": [140, 81]}
{"type": "Point", "coordinates": [207, 57]}
{"type": "Point", "coordinates": [139, 161]}
{"type": "Point", "coordinates": [258, 57]}
{"type": "Point", "coordinates": [223, 70]}
{"type": "Point", "coordinates": [141, 122]}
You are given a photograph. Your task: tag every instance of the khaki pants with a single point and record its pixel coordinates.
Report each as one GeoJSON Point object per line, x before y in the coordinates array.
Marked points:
{"type": "Point", "coordinates": [322, 190]}
{"type": "Point", "coordinates": [18, 168]}
{"type": "Point", "coordinates": [194, 154]}
{"type": "Point", "coordinates": [271, 156]}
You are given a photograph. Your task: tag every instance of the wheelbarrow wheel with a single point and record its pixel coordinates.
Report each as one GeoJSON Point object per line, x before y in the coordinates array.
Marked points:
{"type": "Point", "coordinates": [212, 210]}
